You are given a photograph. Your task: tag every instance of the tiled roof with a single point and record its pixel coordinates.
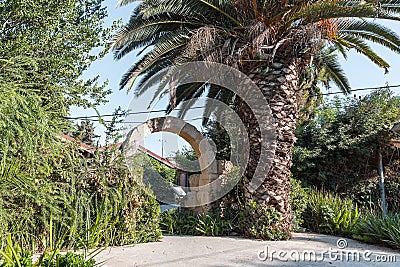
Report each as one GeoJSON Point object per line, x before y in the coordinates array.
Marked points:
{"type": "Point", "coordinates": [91, 150]}
{"type": "Point", "coordinates": [157, 157]}
{"type": "Point", "coordinates": [83, 146]}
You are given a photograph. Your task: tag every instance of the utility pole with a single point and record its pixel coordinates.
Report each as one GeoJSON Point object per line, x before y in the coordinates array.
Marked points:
{"type": "Point", "coordinates": [162, 146]}
{"type": "Point", "coordinates": [382, 184]}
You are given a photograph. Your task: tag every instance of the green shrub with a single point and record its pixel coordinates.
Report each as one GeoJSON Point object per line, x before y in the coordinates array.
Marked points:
{"type": "Point", "coordinates": [253, 220]}
{"type": "Point", "coordinates": [368, 193]}
{"type": "Point", "coordinates": [67, 260]}
{"type": "Point", "coordinates": [230, 217]}
{"type": "Point", "coordinates": [261, 222]}
{"type": "Point", "coordinates": [84, 203]}
{"type": "Point", "coordinates": [166, 172]}
{"type": "Point", "coordinates": [377, 228]}
{"type": "Point", "coordinates": [14, 256]}
{"type": "Point", "coordinates": [338, 147]}
{"type": "Point", "coordinates": [111, 205]}
{"type": "Point", "coordinates": [330, 214]}
{"type": "Point", "coordinates": [213, 225]}
{"type": "Point", "coordinates": [51, 195]}
{"type": "Point", "coordinates": [188, 223]}
{"type": "Point", "coordinates": [298, 203]}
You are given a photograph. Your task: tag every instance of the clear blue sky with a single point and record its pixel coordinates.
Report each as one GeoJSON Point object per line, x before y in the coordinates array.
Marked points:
{"type": "Point", "coordinates": [361, 72]}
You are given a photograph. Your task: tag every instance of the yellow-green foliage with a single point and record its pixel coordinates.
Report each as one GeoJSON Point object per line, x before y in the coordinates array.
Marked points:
{"type": "Point", "coordinates": [166, 172]}
{"type": "Point", "coordinates": [328, 213]}
{"type": "Point", "coordinates": [83, 203]}
{"type": "Point", "coordinates": [376, 228]}
{"type": "Point", "coordinates": [298, 203]}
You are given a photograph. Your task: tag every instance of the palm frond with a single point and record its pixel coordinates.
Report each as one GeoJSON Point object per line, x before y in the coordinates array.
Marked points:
{"type": "Point", "coordinates": [143, 31]}
{"type": "Point", "coordinates": [183, 93]}
{"type": "Point", "coordinates": [121, 3]}
{"type": "Point", "coordinates": [213, 93]}
{"type": "Point", "coordinates": [191, 52]}
{"type": "Point", "coordinates": [202, 9]}
{"type": "Point", "coordinates": [190, 101]}
{"type": "Point", "coordinates": [328, 62]}
{"type": "Point", "coordinates": [372, 31]}
{"type": "Point", "coordinates": [324, 10]}
{"type": "Point", "coordinates": [168, 44]}
{"type": "Point", "coordinates": [340, 49]}
{"type": "Point", "coordinates": [363, 48]}
{"type": "Point", "coordinates": [221, 94]}
{"type": "Point", "coordinates": [153, 76]}
{"type": "Point", "coordinates": [386, 5]}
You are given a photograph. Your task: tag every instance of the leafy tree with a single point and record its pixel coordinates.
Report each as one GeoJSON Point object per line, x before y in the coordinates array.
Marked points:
{"type": "Point", "coordinates": [85, 133]}
{"type": "Point", "coordinates": [50, 194]}
{"type": "Point", "coordinates": [44, 48]}
{"type": "Point", "coordinates": [218, 134]}
{"type": "Point", "coordinates": [169, 174]}
{"type": "Point", "coordinates": [280, 44]}
{"type": "Point", "coordinates": [187, 159]}
{"type": "Point", "coordinates": [60, 37]}
{"type": "Point", "coordinates": [340, 145]}
{"type": "Point", "coordinates": [28, 122]}
{"type": "Point", "coordinates": [113, 132]}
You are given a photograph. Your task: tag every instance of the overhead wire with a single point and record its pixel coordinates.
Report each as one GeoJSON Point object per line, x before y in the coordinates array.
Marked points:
{"type": "Point", "coordinates": [96, 118]}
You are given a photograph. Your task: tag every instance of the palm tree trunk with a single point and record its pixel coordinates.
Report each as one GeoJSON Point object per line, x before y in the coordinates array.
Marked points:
{"type": "Point", "coordinates": [279, 84]}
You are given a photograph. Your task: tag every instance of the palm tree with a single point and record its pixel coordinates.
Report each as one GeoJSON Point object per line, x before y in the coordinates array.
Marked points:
{"type": "Point", "coordinates": [283, 45]}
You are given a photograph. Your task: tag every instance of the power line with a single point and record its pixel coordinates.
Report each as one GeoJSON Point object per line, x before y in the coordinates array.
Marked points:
{"type": "Point", "coordinates": [127, 113]}
{"type": "Point", "coordinates": [89, 118]}
{"type": "Point", "coordinates": [129, 122]}
{"type": "Point", "coordinates": [363, 89]}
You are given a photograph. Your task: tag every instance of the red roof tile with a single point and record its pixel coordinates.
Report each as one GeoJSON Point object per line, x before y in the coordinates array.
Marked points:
{"type": "Point", "coordinates": [91, 150]}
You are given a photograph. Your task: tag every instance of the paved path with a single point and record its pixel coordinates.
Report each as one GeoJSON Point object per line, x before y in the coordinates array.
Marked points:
{"type": "Point", "coordinates": [230, 251]}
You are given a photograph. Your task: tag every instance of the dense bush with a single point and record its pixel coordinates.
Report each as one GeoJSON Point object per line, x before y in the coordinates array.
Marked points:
{"type": "Point", "coordinates": [379, 229]}
{"type": "Point", "coordinates": [50, 194]}
{"type": "Point", "coordinates": [83, 203]}
{"type": "Point", "coordinates": [298, 203]}
{"type": "Point", "coordinates": [229, 218]}
{"type": "Point", "coordinates": [169, 174]}
{"type": "Point", "coordinates": [368, 193]}
{"type": "Point", "coordinates": [13, 256]}
{"type": "Point", "coordinates": [338, 148]}
{"type": "Point", "coordinates": [258, 221]}
{"type": "Point", "coordinates": [253, 220]}
{"type": "Point", "coordinates": [188, 223]}
{"type": "Point", "coordinates": [328, 213]}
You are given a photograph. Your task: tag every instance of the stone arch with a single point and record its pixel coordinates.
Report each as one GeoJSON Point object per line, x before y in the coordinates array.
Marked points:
{"type": "Point", "coordinates": [189, 133]}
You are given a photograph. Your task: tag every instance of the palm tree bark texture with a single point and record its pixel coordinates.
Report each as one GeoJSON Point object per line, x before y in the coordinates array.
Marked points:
{"type": "Point", "coordinates": [279, 85]}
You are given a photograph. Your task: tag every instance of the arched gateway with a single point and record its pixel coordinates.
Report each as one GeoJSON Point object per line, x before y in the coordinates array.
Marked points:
{"type": "Point", "coordinates": [202, 194]}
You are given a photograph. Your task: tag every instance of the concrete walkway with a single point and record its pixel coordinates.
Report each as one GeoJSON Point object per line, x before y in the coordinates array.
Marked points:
{"type": "Point", "coordinates": [230, 251]}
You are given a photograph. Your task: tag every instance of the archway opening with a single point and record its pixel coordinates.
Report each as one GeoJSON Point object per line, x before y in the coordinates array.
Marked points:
{"type": "Point", "coordinates": [203, 149]}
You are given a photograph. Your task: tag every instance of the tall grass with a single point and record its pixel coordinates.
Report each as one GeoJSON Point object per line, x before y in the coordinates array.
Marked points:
{"type": "Point", "coordinates": [83, 203]}
{"type": "Point", "coordinates": [189, 223]}
{"type": "Point", "coordinates": [330, 214]}
{"type": "Point", "coordinates": [298, 203]}
{"type": "Point", "coordinates": [380, 229]}
{"type": "Point", "coordinates": [14, 256]}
